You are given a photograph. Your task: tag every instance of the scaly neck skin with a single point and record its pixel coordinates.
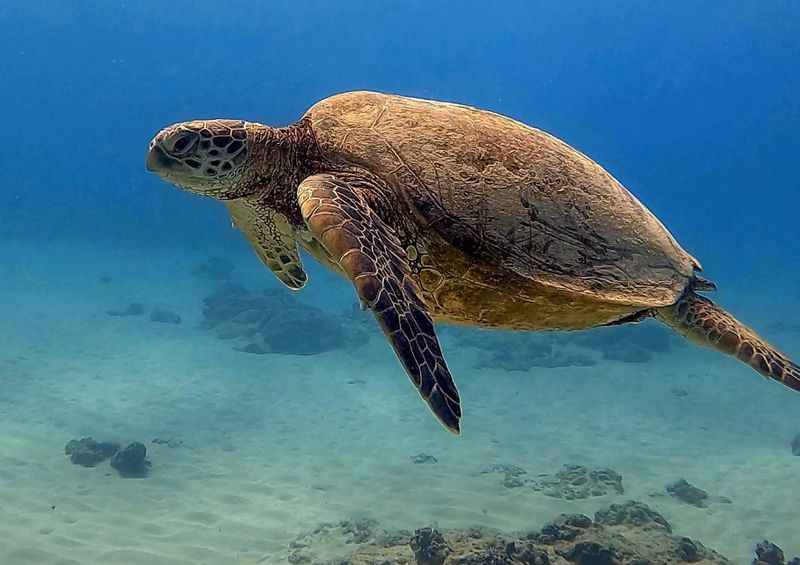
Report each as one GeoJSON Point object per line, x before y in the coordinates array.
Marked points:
{"type": "Point", "coordinates": [280, 159]}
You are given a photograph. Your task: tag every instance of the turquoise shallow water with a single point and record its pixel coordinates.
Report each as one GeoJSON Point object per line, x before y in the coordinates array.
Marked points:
{"type": "Point", "coordinates": [255, 450]}
{"type": "Point", "coordinates": [694, 110]}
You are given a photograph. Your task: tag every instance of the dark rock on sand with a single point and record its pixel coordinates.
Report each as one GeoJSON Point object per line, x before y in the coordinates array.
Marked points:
{"type": "Point", "coordinates": [214, 269]}
{"type": "Point", "coordinates": [131, 461]}
{"type": "Point", "coordinates": [633, 514]}
{"type": "Point", "coordinates": [556, 359]}
{"type": "Point", "coordinates": [516, 351]}
{"type": "Point", "coordinates": [689, 550]}
{"type": "Point", "coordinates": [506, 469]}
{"type": "Point", "coordinates": [491, 556]}
{"type": "Point", "coordinates": [796, 445]}
{"type": "Point", "coordinates": [429, 547]}
{"type": "Point", "coordinates": [688, 493]}
{"type": "Point", "coordinates": [590, 553]}
{"type": "Point", "coordinates": [362, 532]}
{"type": "Point", "coordinates": [566, 527]}
{"type": "Point", "coordinates": [169, 442]}
{"type": "Point", "coordinates": [527, 553]}
{"type": "Point", "coordinates": [88, 452]}
{"type": "Point", "coordinates": [576, 482]}
{"type": "Point", "coordinates": [630, 344]}
{"type": "Point", "coordinates": [534, 354]}
{"type": "Point", "coordinates": [423, 458]}
{"type": "Point", "coordinates": [512, 474]}
{"type": "Point", "coordinates": [767, 553]}
{"type": "Point", "coordinates": [571, 482]}
{"type": "Point", "coordinates": [512, 553]}
{"type": "Point", "coordinates": [513, 482]}
{"type": "Point", "coordinates": [133, 309]}
{"type": "Point", "coordinates": [624, 534]}
{"type": "Point", "coordinates": [270, 321]}
{"type": "Point", "coordinates": [520, 351]}
{"type": "Point", "coordinates": [296, 558]}
{"type": "Point", "coordinates": [359, 531]}
{"type": "Point", "coordinates": [164, 316]}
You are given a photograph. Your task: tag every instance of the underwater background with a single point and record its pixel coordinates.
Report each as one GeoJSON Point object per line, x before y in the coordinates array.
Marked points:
{"type": "Point", "coordinates": [280, 427]}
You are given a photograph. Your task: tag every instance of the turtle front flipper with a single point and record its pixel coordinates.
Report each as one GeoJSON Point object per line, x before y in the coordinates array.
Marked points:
{"type": "Point", "coordinates": [705, 323]}
{"type": "Point", "coordinates": [272, 238]}
{"type": "Point", "coordinates": [370, 255]}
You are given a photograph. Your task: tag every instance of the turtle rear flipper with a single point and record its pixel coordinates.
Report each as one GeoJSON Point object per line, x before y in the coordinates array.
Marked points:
{"type": "Point", "coordinates": [703, 322]}
{"type": "Point", "coordinates": [368, 253]}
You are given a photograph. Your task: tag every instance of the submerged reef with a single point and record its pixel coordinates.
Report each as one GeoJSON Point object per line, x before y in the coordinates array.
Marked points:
{"type": "Point", "coordinates": [622, 534]}
{"type": "Point", "coordinates": [274, 321]}
{"type": "Point", "coordinates": [520, 351]}
{"type": "Point", "coordinates": [575, 481]}
{"type": "Point", "coordinates": [571, 482]}
{"type": "Point", "coordinates": [796, 445]}
{"type": "Point", "coordinates": [513, 476]}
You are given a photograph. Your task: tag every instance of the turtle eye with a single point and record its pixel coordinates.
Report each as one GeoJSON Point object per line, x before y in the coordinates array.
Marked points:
{"type": "Point", "coordinates": [183, 143]}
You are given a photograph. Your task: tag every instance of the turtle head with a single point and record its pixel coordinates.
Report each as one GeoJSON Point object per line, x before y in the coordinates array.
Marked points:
{"type": "Point", "coordinates": [208, 157]}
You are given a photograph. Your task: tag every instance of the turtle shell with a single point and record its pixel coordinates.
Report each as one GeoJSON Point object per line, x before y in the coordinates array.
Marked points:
{"type": "Point", "coordinates": [508, 194]}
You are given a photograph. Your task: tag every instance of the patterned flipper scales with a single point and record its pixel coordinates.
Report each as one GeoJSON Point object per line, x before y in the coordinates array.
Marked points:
{"type": "Point", "coordinates": [371, 256]}
{"type": "Point", "coordinates": [703, 322]}
{"type": "Point", "coordinates": [271, 238]}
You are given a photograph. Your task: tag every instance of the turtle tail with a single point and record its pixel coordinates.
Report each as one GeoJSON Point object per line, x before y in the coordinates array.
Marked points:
{"type": "Point", "coordinates": [701, 321]}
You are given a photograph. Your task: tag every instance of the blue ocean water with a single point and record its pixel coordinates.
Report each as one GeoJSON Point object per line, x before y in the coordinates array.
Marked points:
{"type": "Point", "coordinates": [695, 108]}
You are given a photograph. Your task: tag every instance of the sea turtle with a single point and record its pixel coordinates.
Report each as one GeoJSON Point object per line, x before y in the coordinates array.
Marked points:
{"type": "Point", "coordinates": [443, 212]}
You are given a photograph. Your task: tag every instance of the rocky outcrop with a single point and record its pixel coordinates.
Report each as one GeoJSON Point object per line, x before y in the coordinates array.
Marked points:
{"type": "Point", "coordinates": [767, 553]}
{"type": "Point", "coordinates": [131, 461]}
{"type": "Point", "coordinates": [622, 534]}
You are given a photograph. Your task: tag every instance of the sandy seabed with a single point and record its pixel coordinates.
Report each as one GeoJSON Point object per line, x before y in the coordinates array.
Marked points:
{"type": "Point", "coordinates": [273, 445]}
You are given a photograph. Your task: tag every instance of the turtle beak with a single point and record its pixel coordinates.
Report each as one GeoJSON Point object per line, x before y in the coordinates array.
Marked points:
{"type": "Point", "coordinates": [157, 161]}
